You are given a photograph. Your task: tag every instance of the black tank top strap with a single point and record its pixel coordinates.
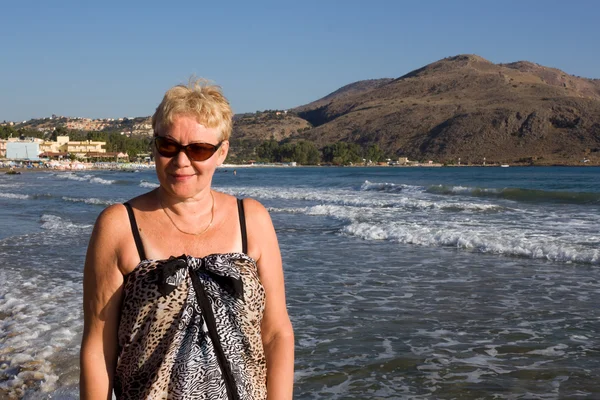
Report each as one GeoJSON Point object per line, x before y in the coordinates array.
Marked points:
{"type": "Point", "coordinates": [240, 203]}
{"type": "Point", "coordinates": [135, 232]}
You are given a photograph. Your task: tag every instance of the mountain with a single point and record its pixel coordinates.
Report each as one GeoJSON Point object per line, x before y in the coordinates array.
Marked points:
{"type": "Point", "coordinates": [469, 108]}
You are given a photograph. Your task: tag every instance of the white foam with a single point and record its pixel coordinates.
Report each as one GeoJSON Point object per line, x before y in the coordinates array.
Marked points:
{"type": "Point", "coordinates": [56, 223]}
{"type": "Point", "coordinates": [14, 196]}
{"type": "Point", "coordinates": [363, 210]}
{"type": "Point", "coordinates": [580, 338]}
{"type": "Point", "coordinates": [388, 351]}
{"type": "Point", "coordinates": [102, 181]}
{"type": "Point", "coordinates": [477, 238]}
{"type": "Point", "coordinates": [492, 352]}
{"type": "Point", "coordinates": [150, 185]}
{"type": "Point", "coordinates": [91, 200]}
{"type": "Point", "coordinates": [389, 187]}
{"type": "Point", "coordinates": [311, 342]}
{"type": "Point", "coordinates": [552, 351]}
{"type": "Point", "coordinates": [462, 189]}
{"type": "Point", "coordinates": [10, 185]}
{"type": "Point", "coordinates": [73, 177]}
{"type": "Point", "coordinates": [85, 178]}
{"type": "Point", "coordinates": [37, 330]}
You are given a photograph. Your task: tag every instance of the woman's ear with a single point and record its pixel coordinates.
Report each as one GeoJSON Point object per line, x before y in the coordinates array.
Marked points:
{"type": "Point", "coordinates": [223, 151]}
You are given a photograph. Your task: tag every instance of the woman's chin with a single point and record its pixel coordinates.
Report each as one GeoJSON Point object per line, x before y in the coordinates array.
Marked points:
{"type": "Point", "coordinates": [183, 189]}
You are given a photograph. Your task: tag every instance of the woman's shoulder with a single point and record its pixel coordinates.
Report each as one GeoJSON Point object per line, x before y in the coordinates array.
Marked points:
{"type": "Point", "coordinates": [118, 211]}
{"type": "Point", "coordinates": [111, 219]}
{"type": "Point", "coordinates": [254, 206]}
{"type": "Point", "coordinates": [232, 201]}
{"type": "Point", "coordinates": [256, 215]}
{"type": "Point", "coordinates": [110, 224]}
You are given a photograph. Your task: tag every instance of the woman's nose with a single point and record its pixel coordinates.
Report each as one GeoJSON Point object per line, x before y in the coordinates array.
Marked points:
{"type": "Point", "coordinates": [182, 159]}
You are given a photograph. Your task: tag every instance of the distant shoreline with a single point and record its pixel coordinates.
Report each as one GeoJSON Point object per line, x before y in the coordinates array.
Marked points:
{"type": "Point", "coordinates": [4, 170]}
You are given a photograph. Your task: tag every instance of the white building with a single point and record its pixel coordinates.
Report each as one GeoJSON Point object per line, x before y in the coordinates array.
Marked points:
{"type": "Point", "coordinates": [22, 150]}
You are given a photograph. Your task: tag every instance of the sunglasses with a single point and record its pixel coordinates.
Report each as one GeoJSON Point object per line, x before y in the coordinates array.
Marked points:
{"type": "Point", "coordinates": [195, 151]}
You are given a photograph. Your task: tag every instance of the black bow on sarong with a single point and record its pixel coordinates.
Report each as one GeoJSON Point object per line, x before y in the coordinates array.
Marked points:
{"type": "Point", "coordinates": [168, 280]}
{"type": "Point", "coordinates": [167, 276]}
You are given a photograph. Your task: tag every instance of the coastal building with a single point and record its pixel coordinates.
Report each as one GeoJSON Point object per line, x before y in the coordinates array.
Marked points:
{"type": "Point", "coordinates": [63, 146]}
{"type": "Point", "coordinates": [80, 149]}
{"type": "Point", "coordinates": [23, 150]}
{"type": "Point", "coordinates": [114, 155]}
{"type": "Point", "coordinates": [34, 148]}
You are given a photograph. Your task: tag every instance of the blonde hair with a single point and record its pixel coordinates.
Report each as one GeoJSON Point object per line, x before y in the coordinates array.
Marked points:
{"type": "Point", "coordinates": [199, 99]}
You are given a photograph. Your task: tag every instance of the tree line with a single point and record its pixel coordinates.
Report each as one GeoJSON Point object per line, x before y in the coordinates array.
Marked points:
{"type": "Point", "coordinates": [303, 152]}
{"type": "Point", "coordinates": [115, 141]}
{"type": "Point", "coordinates": [306, 153]}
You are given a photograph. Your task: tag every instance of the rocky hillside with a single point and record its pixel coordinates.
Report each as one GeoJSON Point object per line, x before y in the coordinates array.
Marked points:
{"type": "Point", "coordinates": [467, 107]}
{"type": "Point", "coordinates": [356, 88]}
{"type": "Point", "coordinates": [135, 126]}
{"type": "Point", "coordinates": [265, 125]}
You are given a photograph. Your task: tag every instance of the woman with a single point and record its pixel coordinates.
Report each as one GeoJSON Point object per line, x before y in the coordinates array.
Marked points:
{"type": "Point", "coordinates": [183, 286]}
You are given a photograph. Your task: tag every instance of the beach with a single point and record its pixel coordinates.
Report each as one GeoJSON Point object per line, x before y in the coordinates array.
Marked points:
{"type": "Point", "coordinates": [401, 282]}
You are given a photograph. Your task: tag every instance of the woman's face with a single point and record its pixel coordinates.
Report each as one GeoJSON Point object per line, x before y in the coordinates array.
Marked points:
{"type": "Point", "coordinates": [179, 175]}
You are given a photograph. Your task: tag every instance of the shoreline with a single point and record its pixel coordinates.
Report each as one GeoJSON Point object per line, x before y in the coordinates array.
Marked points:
{"type": "Point", "coordinates": [131, 167]}
{"type": "Point", "coordinates": [21, 170]}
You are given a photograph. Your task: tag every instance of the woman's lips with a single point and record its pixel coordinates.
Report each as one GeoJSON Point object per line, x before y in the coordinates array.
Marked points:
{"type": "Point", "coordinates": [181, 177]}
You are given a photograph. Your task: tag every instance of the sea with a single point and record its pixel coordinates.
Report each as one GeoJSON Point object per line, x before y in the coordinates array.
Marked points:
{"type": "Point", "coordinates": [402, 283]}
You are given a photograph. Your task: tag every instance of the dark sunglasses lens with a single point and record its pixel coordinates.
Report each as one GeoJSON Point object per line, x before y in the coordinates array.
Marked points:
{"type": "Point", "coordinates": [166, 147]}
{"type": "Point", "coordinates": [201, 151]}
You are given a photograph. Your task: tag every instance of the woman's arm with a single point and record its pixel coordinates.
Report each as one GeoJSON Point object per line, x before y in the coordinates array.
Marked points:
{"type": "Point", "coordinates": [102, 291]}
{"type": "Point", "coordinates": [277, 332]}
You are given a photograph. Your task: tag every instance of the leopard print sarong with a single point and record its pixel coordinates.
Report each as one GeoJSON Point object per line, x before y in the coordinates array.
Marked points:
{"type": "Point", "coordinates": [190, 329]}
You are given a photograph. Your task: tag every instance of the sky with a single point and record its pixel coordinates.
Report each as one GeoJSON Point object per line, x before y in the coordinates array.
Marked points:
{"type": "Point", "coordinates": [110, 59]}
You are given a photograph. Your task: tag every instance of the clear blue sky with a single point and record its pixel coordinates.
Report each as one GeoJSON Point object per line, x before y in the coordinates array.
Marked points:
{"type": "Point", "coordinates": [116, 59]}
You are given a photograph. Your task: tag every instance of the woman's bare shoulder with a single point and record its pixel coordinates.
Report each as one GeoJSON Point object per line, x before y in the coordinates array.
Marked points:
{"type": "Point", "coordinates": [111, 216]}
{"type": "Point", "coordinates": [262, 239]}
{"type": "Point", "coordinates": [256, 213]}
{"type": "Point", "coordinates": [110, 226]}
{"type": "Point", "coordinates": [228, 203]}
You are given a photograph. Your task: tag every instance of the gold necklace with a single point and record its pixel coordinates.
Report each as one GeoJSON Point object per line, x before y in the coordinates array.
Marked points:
{"type": "Point", "coordinates": [212, 216]}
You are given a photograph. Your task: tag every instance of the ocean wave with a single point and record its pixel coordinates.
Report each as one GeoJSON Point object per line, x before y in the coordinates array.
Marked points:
{"type": "Point", "coordinates": [342, 213]}
{"type": "Point", "coordinates": [56, 223]}
{"type": "Point", "coordinates": [73, 177]}
{"type": "Point", "coordinates": [42, 320]}
{"type": "Point", "coordinates": [479, 239]}
{"type": "Point", "coordinates": [92, 200]}
{"type": "Point", "coordinates": [150, 185]}
{"type": "Point", "coordinates": [519, 194]}
{"type": "Point", "coordinates": [14, 196]}
{"type": "Point", "coordinates": [102, 181]}
{"type": "Point", "coordinates": [84, 178]}
{"type": "Point", "coordinates": [19, 196]}
{"type": "Point", "coordinates": [348, 198]}
{"type": "Point", "coordinates": [388, 187]}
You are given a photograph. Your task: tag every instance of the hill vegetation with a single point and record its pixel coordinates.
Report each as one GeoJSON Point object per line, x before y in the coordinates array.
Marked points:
{"type": "Point", "coordinates": [469, 108]}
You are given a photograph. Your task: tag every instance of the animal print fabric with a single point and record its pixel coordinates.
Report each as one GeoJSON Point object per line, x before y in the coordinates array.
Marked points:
{"type": "Point", "coordinates": [165, 349]}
